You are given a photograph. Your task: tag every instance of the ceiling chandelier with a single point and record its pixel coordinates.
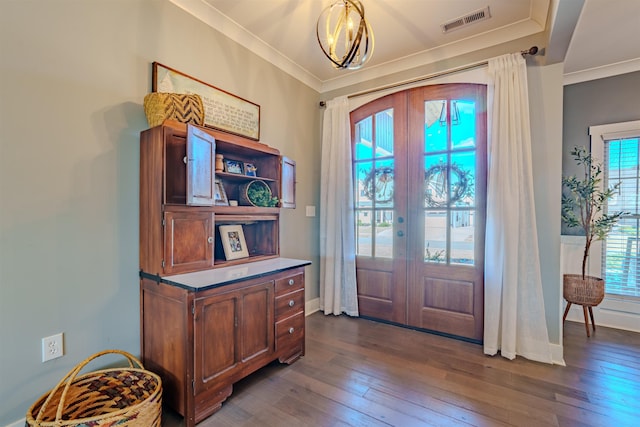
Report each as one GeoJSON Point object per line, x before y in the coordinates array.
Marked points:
{"type": "Point", "coordinates": [344, 35]}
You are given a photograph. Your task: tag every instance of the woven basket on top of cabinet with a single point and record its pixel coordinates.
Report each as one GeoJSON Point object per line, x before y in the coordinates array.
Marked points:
{"type": "Point", "coordinates": [123, 397]}
{"type": "Point", "coordinates": [184, 108]}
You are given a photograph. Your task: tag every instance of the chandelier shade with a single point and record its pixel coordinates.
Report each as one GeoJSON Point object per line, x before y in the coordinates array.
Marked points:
{"type": "Point", "coordinates": [344, 35]}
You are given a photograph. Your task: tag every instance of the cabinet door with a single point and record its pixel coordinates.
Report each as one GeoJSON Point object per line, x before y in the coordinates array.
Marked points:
{"type": "Point", "coordinates": [288, 183]}
{"type": "Point", "coordinates": [216, 342]}
{"type": "Point", "coordinates": [233, 333]}
{"type": "Point", "coordinates": [201, 153]}
{"type": "Point", "coordinates": [256, 331]}
{"type": "Point", "coordinates": [188, 241]}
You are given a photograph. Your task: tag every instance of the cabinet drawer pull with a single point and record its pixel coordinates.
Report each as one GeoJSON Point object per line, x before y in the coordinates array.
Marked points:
{"type": "Point", "coordinates": [291, 330]}
{"type": "Point", "coordinates": [291, 282]}
{"type": "Point", "coordinates": [291, 303]}
{"type": "Point", "coordinates": [210, 240]}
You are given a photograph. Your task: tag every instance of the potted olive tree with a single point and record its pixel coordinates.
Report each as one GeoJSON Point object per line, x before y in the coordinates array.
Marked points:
{"type": "Point", "coordinates": [583, 206]}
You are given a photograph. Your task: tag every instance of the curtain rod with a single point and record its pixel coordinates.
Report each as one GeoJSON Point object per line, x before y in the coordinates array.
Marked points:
{"type": "Point", "coordinates": [532, 51]}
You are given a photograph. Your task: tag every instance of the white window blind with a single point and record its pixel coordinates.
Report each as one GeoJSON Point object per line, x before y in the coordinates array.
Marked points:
{"type": "Point", "coordinates": [620, 261]}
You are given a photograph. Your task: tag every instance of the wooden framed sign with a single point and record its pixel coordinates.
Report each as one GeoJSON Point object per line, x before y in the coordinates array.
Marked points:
{"type": "Point", "coordinates": [222, 110]}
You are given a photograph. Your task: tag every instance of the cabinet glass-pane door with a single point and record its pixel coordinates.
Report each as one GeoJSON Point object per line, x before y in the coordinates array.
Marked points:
{"type": "Point", "coordinates": [200, 158]}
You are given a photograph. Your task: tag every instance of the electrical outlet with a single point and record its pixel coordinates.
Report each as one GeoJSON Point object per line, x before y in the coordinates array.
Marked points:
{"type": "Point", "coordinates": [52, 347]}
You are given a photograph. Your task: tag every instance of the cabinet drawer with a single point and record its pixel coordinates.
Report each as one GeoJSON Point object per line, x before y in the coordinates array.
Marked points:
{"type": "Point", "coordinates": [290, 332]}
{"type": "Point", "coordinates": [290, 304]}
{"type": "Point", "coordinates": [289, 284]}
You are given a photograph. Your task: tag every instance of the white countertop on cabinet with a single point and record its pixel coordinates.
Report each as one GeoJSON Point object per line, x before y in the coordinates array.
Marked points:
{"type": "Point", "coordinates": [206, 279]}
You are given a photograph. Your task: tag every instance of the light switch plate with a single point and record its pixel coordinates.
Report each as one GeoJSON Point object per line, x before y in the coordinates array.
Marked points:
{"type": "Point", "coordinates": [311, 211]}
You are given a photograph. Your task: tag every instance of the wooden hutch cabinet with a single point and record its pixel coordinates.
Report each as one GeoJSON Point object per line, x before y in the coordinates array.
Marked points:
{"type": "Point", "coordinates": [207, 322]}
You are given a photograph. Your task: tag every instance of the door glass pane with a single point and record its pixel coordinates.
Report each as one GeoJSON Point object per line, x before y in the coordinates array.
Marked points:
{"type": "Point", "coordinates": [363, 139]}
{"type": "Point", "coordinates": [374, 177]}
{"type": "Point", "coordinates": [462, 234]}
{"type": "Point", "coordinates": [462, 170]}
{"type": "Point", "coordinates": [363, 197]}
{"type": "Point", "coordinates": [384, 234]}
{"type": "Point", "coordinates": [435, 126]}
{"type": "Point", "coordinates": [463, 124]}
{"type": "Point", "coordinates": [379, 183]}
{"type": "Point", "coordinates": [435, 236]}
{"type": "Point", "coordinates": [384, 133]}
{"type": "Point", "coordinates": [363, 232]}
{"type": "Point", "coordinates": [435, 181]}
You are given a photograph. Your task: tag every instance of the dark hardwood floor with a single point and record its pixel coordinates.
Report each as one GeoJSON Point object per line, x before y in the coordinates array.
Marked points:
{"type": "Point", "coordinates": [362, 373]}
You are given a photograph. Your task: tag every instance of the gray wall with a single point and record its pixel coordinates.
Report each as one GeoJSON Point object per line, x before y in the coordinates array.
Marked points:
{"type": "Point", "coordinates": [73, 77]}
{"type": "Point", "coordinates": [597, 102]}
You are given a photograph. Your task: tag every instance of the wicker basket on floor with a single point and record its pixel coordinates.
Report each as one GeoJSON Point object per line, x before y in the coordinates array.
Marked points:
{"type": "Point", "coordinates": [123, 397]}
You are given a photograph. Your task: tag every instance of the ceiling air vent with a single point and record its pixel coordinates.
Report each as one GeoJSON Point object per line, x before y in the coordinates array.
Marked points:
{"type": "Point", "coordinates": [478, 15]}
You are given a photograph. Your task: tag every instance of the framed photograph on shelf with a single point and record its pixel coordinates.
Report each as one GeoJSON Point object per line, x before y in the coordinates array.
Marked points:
{"type": "Point", "coordinates": [233, 242]}
{"type": "Point", "coordinates": [220, 196]}
{"type": "Point", "coordinates": [250, 169]}
{"type": "Point", "coordinates": [233, 166]}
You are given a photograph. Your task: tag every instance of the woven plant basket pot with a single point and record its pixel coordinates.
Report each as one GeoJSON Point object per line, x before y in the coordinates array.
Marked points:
{"type": "Point", "coordinates": [183, 108]}
{"type": "Point", "coordinates": [588, 291]}
{"type": "Point", "coordinates": [123, 397]}
{"type": "Point", "coordinates": [243, 192]}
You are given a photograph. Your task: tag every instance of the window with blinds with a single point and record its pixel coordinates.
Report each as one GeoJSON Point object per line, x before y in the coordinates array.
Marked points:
{"type": "Point", "coordinates": [620, 250]}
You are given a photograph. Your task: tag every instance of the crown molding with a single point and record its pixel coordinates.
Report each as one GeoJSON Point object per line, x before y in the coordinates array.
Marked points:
{"type": "Point", "coordinates": [234, 31]}
{"type": "Point", "coordinates": [472, 44]}
{"type": "Point", "coordinates": [602, 72]}
{"type": "Point", "coordinates": [231, 29]}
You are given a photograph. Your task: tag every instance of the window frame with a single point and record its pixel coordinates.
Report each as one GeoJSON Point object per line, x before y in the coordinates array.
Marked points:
{"type": "Point", "coordinates": [599, 134]}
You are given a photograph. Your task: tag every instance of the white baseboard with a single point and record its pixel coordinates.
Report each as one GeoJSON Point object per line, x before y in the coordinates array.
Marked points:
{"type": "Point", "coordinates": [611, 313]}
{"type": "Point", "coordinates": [557, 354]}
{"type": "Point", "coordinates": [312, 306]}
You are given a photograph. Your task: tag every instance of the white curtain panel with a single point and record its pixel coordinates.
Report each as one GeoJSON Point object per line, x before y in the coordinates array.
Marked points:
{"type": "Point", "coordinates": [514, 319]}
{"type": "Point", "coordinates": [338, 293]}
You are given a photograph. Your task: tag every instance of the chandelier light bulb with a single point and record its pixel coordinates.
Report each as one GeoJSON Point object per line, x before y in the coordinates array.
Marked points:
{"type": "Point", "coordinates": [343, 24]}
